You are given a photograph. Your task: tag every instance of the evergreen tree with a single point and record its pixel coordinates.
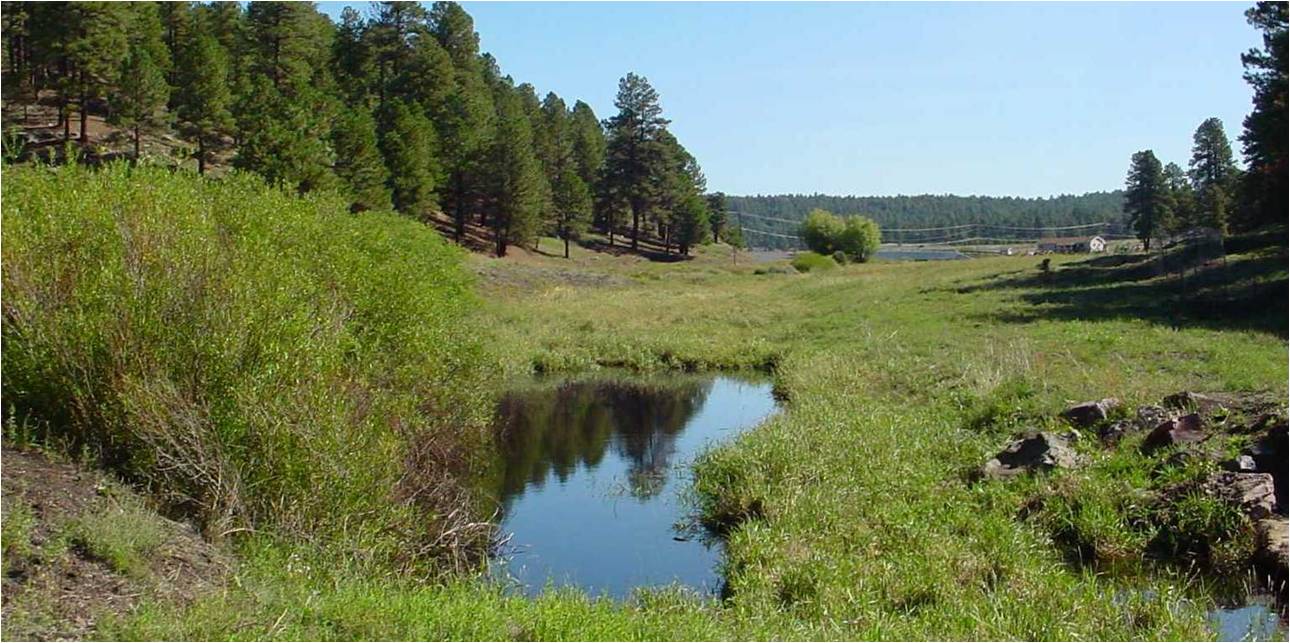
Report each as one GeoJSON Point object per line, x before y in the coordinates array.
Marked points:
{"type": "Point", "coordinates": [455, 31]}
{"type": "Point", "coordinates": [634, 156]}
{"type": "Point", "coordinates": [572, 206]}
{"type": "Point", "coordinates": [1264, 137]}
{"type": "Point", "coordinates": [358, 159]}
{"type": "Point", "coordinates": [515, 178]}
{"type": "Point", "coordinates": [352, 60]}
{"type": "Point", "coordinates": [203, 98]}
{"type": "Point", "coordinates": [390, 34]}
{"type": "Point", "coordinates": [588, 140]}
{"type": "Point", "coordinates": [287, 40]}
{"type": "Point", "coordinates": [139, 100]}
{"type": "Point", "coordinates": [690, 221]}
{"type": "Point", "coordinates": [408, 145]}
{"type": "Point", "coordinates": [1213, 175]}
{"type": "Point", "coordinates": [94, 44]}
{"type": "Point", "coordinates": [285, 141]}
{"type": "Point", "coordinates": [147, 33]}
{"type": "Point", "coordinates": [1180, 210]}
{"type": "Point", "coordinates": [717, 214]}
{"type": "Point", "coordinates": [1145, 196]}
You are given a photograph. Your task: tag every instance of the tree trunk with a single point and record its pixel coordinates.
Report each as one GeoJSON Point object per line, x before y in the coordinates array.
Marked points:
{"type": "Point", "coordinates": [136, 143]}
{"type": "Point", "coordinates": [459, 207]}
{"type": "Point", "coordinates": [201, 154]}
{"type": "Point", "coordinates": [66, 120]}
{"type": "Point", "coordinates": [85, 113]}
{"type": "Point", "coordinates": [636, 226]}
{"type": "Point", "coordinates": [611, 236]}
{"type": "Point", "coordinates": [566, 247]}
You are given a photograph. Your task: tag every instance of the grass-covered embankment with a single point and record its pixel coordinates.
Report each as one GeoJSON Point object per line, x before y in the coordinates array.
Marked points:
{"type": "Point", "coordinates": [261, 362]}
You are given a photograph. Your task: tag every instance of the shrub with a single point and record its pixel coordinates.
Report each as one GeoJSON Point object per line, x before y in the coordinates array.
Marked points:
{"type": "Point", "coordinates": [810, 261]}
{"type": "Point", "coordinates": [259, 359]}
{"type": "Point", "coordinates": [855, 237]}
{"type": "Point", "coordinates": [840, 257]}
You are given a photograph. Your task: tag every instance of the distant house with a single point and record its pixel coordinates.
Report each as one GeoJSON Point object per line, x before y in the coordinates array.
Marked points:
{"type": "Point", "coordinates": [1073, 245]}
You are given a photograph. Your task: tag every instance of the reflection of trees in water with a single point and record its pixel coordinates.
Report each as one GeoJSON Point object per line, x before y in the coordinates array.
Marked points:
{"type": "Point", "coordinates": [552, 431]}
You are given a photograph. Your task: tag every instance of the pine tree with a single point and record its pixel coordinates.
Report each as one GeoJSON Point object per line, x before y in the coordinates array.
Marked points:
{"type": "Point", "coordinates": [588, 137]}
{"type": "Point", "coordinates": [455, 30]}
{"type": "Point", "coordinates": [408, 145]}
{"type": "Point", "coordinates": [286, 141]}
{"type": "Point", "coordinates": [1145, 196]}
{"type": "Point", "coordinates": [390, 34]}
{"type": "Point", "coordinates": [717, 214]}
{"type": "Point", "coordinates": [572, 205]}
{"type": "Point", "coordinates": [514, 176]}
{"type": "Point", "coordinates": [203, 98]}
{"type": "Point", "coordinates": [1180, 210]}
{"type": "Point", "coordinates": [634, 157]}
{"type": "Point", "coordinates": [139, 100]}
{"type": "Point", "coordinates": [691, 221]}
{"type": "Point", "coordinates": [358, 159]}
{"type": "Point", "coordinates": [1264, 137]}
{"type": "Point", "coordinates": [1213, 175]}
{"type": "Point", "coordinates": [352, 60]}
{"type": "Point", "coordinates": [94, 44]}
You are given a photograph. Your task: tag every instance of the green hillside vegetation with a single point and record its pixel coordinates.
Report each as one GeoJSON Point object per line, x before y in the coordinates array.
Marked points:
{"type": "Point", "coordinates": [261, 361]}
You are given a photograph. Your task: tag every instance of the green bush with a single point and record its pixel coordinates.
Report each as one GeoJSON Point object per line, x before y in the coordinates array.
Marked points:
{"type": "Point", "coordinates": [810, 261]}
{"type": "Point", "coordinates": [258, 359]}
{"type": "Point", "coordinates": [854, 237]}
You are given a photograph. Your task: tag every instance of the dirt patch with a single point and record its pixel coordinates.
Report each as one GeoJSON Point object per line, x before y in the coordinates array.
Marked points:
{"type": "Point", "coordinates": [79, 547]}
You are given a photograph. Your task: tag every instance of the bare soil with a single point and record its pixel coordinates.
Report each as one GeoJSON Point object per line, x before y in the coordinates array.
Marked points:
{"type": "Point", "coordinates": [55, 589]}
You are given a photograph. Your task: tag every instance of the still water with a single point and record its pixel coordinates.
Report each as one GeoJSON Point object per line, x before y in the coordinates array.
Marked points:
{"type": "Point", "coordinates": [593, 474]}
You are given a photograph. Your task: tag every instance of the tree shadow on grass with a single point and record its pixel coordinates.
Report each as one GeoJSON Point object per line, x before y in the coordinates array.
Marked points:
{"type": "Point", "coordinates": [1179, 289]}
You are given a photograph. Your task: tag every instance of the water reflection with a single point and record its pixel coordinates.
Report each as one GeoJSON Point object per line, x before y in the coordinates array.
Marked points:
{"type": "Point", "coordinates": [548, 432]}
{"type": "Point", "coordinates": [590, 475]}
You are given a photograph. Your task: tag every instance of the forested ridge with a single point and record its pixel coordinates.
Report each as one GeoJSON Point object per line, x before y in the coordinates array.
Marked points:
{"type": "Point", "coordinates": [393, 107]}
{"type": "Point", "coordinates": [773, 220]}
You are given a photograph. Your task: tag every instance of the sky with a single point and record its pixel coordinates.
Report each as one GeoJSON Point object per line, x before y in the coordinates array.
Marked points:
{"type": "Point", "coordinates": [1023, 99]}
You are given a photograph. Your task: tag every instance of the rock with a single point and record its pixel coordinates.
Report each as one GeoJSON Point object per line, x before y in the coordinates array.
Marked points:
{"type": "Point", "coordinates": [1087, 414]}
{"type": "Point", "coordinates": [1182, 430]}
{"type": "Point", "coordinates": [1269, 455]}
{"type": "Point", "coordinates": [1150, 417]}
{"type": "Point", "coordinates": [1252, 491]}
{"type": "Point", "coordinates": [1113, 432]}
{"type": "Point", "coordinates": [1189, 401]}
{"type": "Point", "coordinates": [1032, 451]}
{"type": "Point", "coordinates": [1274, 540]}
{"type": "Point", "coordinates": [1240, 464]}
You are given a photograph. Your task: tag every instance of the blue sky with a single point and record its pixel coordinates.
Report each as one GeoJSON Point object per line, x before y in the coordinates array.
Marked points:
{"type": "Point", "coordinates": [896, 98]}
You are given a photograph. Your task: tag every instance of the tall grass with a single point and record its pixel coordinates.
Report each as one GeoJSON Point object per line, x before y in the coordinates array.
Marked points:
{"type": "Point", "coordinates": [262, 361]}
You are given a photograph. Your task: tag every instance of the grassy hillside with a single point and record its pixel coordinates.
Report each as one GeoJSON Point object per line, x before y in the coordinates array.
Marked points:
{"type": "Point", "coordinates": [851, 515]}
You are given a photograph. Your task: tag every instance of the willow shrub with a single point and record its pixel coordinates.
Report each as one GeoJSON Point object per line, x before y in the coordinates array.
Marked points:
{"type": "Point", "coordinates": [260, 361]}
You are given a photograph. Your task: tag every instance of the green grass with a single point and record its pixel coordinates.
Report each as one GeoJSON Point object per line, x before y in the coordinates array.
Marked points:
{"type": "Point", "coordinates": [125, 536]}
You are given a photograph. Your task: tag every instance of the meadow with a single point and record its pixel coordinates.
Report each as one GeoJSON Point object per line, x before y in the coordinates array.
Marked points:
{"type": "Point", "coordinates": [852, 515]}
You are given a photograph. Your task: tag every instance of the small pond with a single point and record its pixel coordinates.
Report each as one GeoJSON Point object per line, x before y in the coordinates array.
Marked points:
{"type": "Point", "coordinates": [593, 475]}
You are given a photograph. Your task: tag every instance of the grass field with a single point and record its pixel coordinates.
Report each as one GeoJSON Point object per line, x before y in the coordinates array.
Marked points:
{"type": "Point", "coordinates": [850, 515]}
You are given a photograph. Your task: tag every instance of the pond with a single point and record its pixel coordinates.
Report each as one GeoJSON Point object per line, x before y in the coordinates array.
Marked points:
{"type": "Point", "coordinates": [1254, 619]}
{"type": "Point", "coordinates": [592, 478]}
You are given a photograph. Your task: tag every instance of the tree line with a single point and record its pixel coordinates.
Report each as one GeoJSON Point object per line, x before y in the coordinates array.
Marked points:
{"type": "Point", "coordinates": [782, 214]}
{"type": "Point", "coordinates": [397, 108]}
{"type": "Point", "coordinates": [1163, 199]}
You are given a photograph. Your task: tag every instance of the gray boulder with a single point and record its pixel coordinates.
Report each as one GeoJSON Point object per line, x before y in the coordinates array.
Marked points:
{"type": "Point", "coordinates": [1150, 417]}
{"type": "Point", "coordinates": [1087, 414]}
{"type": "Point", "coordinates": [1032, 451]}
{"type": "Point", "coordinates": [1252, 491]}
{"type": "Point", "coordinates": [1187, 429]}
